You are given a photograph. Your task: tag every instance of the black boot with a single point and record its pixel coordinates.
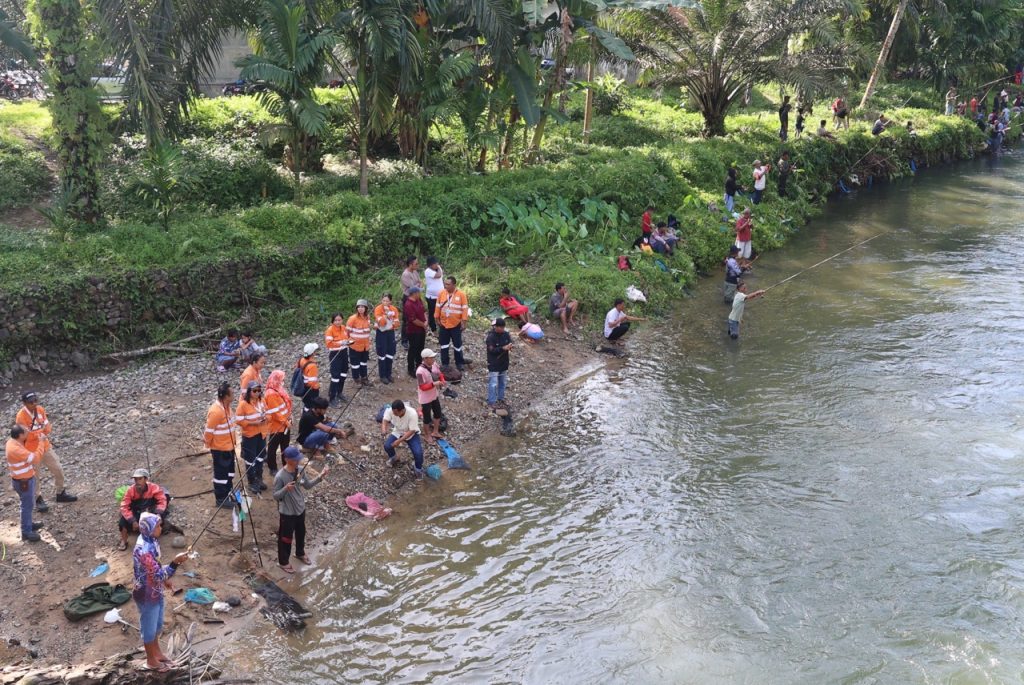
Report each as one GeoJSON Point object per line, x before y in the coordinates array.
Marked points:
{"type": "Point", "coordinates": [65, 498]}
{"type": "Point", "coordinates": [41, 506]}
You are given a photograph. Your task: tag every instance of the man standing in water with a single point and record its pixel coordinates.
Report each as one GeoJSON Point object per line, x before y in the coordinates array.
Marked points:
{"type": "Point", "coordinates": [739, 301]}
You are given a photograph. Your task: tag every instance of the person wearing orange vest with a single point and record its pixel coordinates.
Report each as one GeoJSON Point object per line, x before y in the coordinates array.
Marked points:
{"type": "Point", "coordinates": [310, 375]}
{"type": "Point", "coordinates": [254, 372]}
{"type": "Point", "coordinates": [33, 417]}
{"type": "Point", "coordinates": [386, 319]}
{"type": "Point", "coordinates": [451, 312]}
{"type": "Point", "coordinates": [279, 415]}
{"type": "Point", "coordinates": [336, 340]}
{"type": "Point", "coordinates": [251, 414]}
{"type": "Point", "coordinates": [21, 463]}
{"type": "Point", "coordinates": [359, 349]}
{"type": "Point", "coordinates": [220, 440]}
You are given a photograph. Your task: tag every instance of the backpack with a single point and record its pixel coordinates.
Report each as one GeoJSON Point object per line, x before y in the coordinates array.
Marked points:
{"type": "Point", "coordinates": [94, 599]}
{"type": "Point", "coordinates": [298, 383]}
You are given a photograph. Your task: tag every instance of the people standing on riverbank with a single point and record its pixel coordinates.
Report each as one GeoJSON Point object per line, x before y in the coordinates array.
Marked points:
{"type": "Point", "coordinates": [218, 436]}
{"type": "Point", "coordinates": [434, 278]}
{"type": "Point", "coordinates": [253, 372]}
{"type": "Point", "coordinates": [730, 189]}
{"type": "Point", "coordinates": [33, 417]}
{"type": "Point", "coordinates": [452, 313]}
{"type": "Point", "coordinates": [760, 180]}
{"type": "Point", "coordinates": [802, 112]}
{"type": "Point", "coordinates": [151, 580]}
{"type": "Point", "coordinates": [415, 329]}
{"type": "Point", "coordinates": [336, 341]}
{"type": "Point", "coordinates": [400, 425]}
{"type": "Point", "coordinates": [358, 327]}
{"type": "Point", "coordinates": [429, 380]}
{"type": "Point", "coordinates": [279, 416]}
{"type": "Point", "coordinates": [291, 508]}
{"type": "Point", "coordinates": [950, 101]}
{"type": "Point", "coordinates": [386, 319]}
{"type": "Point", "coordinates": [733, 271]}
{"type": "Point", "coordinates": [744, 231]}
{"type": "Point", "coordinates": [21, 467]}
{"type": "Point", "coordinates": [616, 322]}
{"type": "Point", "coordinates": [563, 308]}
{"type": "Point", "coordinates": [784, 118]}
{"type": "Point", "coordinates": [785, 168]}
{"type": "Point", "coordinates": [739, 302]}
{"type": "Point", "coordinates": [410, 279]}
{"type": "Point", "coordinates": [251, 415]}
{"type": "Point", "coordinates": [499, 345]}
{"type": "Point", "coordinates": [310, 374]}
{"type": "Point", "coordinates": [140, 498]}
{"type": "Point", "coordinates": [841, 114]}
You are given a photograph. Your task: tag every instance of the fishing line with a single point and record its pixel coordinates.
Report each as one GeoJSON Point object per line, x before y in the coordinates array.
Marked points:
{"type": "Point", "coordinates": [863, 242]}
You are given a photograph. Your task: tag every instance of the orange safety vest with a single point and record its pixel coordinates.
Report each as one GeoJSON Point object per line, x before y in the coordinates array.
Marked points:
{"type": "Point", "coordinates": [452, 309]}
{"type": "Point", "coordinates": [251, 374]}
{"type": "Point", "coordinates": [21, 461]}
{"type": "Point", "coordinates": [386, 317]}
{"type": "Point", "coordinates": [252, 418]}
{"type": "Point", "coordinates": [335, 338]}
{"type": "Point", "coordinates": [277, 411]}
{"type": "Point", "coordinates": [359, 332]}
{"type": "Point", "coordinates": [219, 424]}
{"type": "Point", "coordinates": [310, 373]}
{"type": "Point", "coordinates": [38, 428]}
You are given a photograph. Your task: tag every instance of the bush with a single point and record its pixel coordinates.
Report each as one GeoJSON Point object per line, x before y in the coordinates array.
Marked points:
{"type": "Point", "coordinates": [24, 176]}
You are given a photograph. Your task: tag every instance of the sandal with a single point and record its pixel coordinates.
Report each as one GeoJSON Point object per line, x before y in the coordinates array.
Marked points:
{"type": "Point", "coordinates": [305, 559]}
{"type": "Point", "coordinates": [287, 568]}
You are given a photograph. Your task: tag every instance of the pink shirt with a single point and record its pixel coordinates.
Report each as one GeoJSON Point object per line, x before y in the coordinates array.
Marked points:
{"type": "Point", "coordinates": [424, 376]}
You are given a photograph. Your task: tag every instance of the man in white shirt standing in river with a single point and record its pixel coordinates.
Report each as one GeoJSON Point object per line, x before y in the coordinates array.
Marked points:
{"type": "Point", "coordinates": [739, 302]}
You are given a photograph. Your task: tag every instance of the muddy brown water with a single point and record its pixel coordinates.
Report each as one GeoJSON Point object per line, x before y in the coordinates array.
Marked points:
{"type": "Point", "coordinates": [834, 498]}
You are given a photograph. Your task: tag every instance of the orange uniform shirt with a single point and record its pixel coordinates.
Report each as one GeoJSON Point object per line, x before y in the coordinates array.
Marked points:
{"type": "Point", "coordinates": [219, 424]}
{"type": "Point", "coordinates": [359, 332]}
{"type": "Point", "coordinates": [251, 374]}
{"type": "Point", "coordinates": [38, 428]}
{"type": "Point", "coordinates": [278, 411]}
{"type": "Point", "coordinates": [452, 308]}
{"type": "Point", "coordinates": [386, 317]}
{"type": "Point", "coordinates": [252, 417]}
{"type": "Point", "coordinates": [310, 373]}
{"type": "Point", "coordinates": [335, 338]}
{"type": "Point", "coordinates": [21, 461]}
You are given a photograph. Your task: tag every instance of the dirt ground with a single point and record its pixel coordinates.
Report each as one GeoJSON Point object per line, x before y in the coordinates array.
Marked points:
{"type": "Point", "coordinates": [107, 424]}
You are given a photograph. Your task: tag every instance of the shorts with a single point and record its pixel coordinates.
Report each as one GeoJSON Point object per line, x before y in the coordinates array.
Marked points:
{"type": "Point", "coordinates": [431, 411]}
{"type": "Point", "coordinates": [151, 620]}
{"type": "Point", "coordinates": [734, 329]}
{"type": "Point", "coordinates": [744, 246]}
{"type": "Point", "coordinates": [535, 335]}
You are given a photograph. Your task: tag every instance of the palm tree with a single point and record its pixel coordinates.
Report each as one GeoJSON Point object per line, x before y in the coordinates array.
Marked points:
{"type": "Point", "coordinates": [13, 39]}
{"type": "Point", "coordinates": [291, 55]}
{"type": "Point", "coordinates": [719, 46]}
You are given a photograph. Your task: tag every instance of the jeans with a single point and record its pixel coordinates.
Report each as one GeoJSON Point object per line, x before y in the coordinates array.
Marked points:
{"type": "Point", "coordinates": [417, 341]}
{"type": "Point", "coordinates": [277, 441]}
{"type": "Point", "coordinates": [619, 331]}
{"type": "Point", "coordinates": [496, 386]}
{"type": "Point", "coordinates": [404, 337]}
{"type": "Point", "coordinates": [756, 198]}
{"type": "Point", "coordinates": [360, 361]}
{"type": "Point", "coordinates": [318, 439]}
{"type": "Point", "coordinates": [415, 446]}
{"type": "Point", "coordinates": [223, 474]}
{"type": "Point", "coordinates": [734, 329]}
{"type": "Point", "coordinates": [451, 337]}
{"type": "Point", "coordinates": [28, 499]}
{"type": "Point", "coordinates": [730, 202]}
{"type": "Point", "coordinates": [254, 452]}
{"type": "Point", "coordinates": [291, 528]}
{"type": "Point", "coordinates": [338, 360]}
{"type": "Point", "coordinates": [151, 620]}
{"type": "Point", "coordinates": [385, 346]}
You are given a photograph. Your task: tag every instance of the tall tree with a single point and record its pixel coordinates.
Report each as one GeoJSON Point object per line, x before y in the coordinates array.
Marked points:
{"type": "Point", "coordinates": [883, 54]}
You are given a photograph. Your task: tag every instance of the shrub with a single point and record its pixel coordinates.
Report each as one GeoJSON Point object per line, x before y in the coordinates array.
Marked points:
{"type": "Point", "coordinates": [24, 176]}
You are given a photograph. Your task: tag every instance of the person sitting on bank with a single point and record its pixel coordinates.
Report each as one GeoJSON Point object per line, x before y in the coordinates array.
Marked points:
{"type": "Point", "coordinates": [881, 123]}
{"type": "Point", "coordinates": [823, 131]}
{"type": "Point", "coordinates": [513, 308]}
{"type": "Point", "coordinates": [401, 425]}
{"type": "Point", "coordinates": [659, 240]}
{"type": "Point", "coordinates": [229, 350]}
{"type": "Point", "coordinates": [249, 349]}
{"type": "Point", "coordinates": [315, 433]}
{"type": "Point", "coordinates": [616, 322]}
{"type": "Point", "coordinates": [141, 497]}
{"type": "Point", "coordinates": [563, 308]}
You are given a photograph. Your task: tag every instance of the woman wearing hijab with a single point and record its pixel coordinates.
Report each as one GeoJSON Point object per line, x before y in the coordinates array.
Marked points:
{"type": "Point", "coordinates": [279, 412]}
{"type": "Point", "coordinates": [151, 578]}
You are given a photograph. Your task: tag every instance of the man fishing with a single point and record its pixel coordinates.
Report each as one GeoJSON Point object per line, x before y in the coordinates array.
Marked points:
{"type": "Point", "coordinates": [739, 301]}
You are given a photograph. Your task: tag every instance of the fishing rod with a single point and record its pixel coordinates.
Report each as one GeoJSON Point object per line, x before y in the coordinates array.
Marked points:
{"type": "Point", "coordinates": [863, 242]}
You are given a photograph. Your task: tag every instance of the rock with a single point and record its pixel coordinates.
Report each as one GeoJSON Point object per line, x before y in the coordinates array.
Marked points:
{"type": "Point", "coordinates": [234, 600]}
{"type": "Point", "coordinates": [179, 542]}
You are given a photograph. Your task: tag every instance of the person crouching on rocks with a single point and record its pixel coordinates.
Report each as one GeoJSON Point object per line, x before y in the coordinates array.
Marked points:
{"type": "Point", "coordinates": [140, 498]}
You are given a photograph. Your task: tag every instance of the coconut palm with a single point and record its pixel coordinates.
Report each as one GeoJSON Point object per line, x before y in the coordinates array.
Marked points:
{"type": "Point", "coordinates": [11, 38]}
{"type": "Point", "coordinates": [290, 57]}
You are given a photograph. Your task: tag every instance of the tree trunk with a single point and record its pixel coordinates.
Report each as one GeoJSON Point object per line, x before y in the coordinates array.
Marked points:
{"type": "Point", "coordinates": [505, 152]}
{"type": "Point", "coordinates": [714, 122]}
{"type": "Point", "coordinates": [364, 168]}
{"type": "Point", "coordinates": [883, 54]}
{"type": "Point", "coordinates": [588, 108]}
{"type": "Point", "coordinates": [481, 162]}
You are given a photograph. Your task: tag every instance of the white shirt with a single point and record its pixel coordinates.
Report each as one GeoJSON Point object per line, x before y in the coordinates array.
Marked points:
{"type": "Point", "coordinates": [611, 321]}
{"type": "Point", "coordinates": [760, 180]}
{"type": "Point", "coordinates": [435, 281]}
{"type": "Point", "coordinates": [400, 425]}
{"type": "Point", "coordinates": [738, 305]}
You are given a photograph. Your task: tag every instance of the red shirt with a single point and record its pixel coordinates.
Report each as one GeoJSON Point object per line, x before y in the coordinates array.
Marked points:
{"type": "Point", "coordinates": [974, 105]}
{"type": "Point", "coordinates": [743, 226]}
{"type": "Point", "coordinates": [645, 223]}
{"type": "Point", "coordinates": [414, 311]}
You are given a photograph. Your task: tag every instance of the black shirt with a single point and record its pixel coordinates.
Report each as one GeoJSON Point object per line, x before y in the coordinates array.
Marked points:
{"type": "Point", "coordinates": [730, 185]}
{"type": "Point", "coordinates": [784, 113]}
{"type": "Point", "coordinates": [307, 424]}
{"type": "Point", "coordinates": [497, 358]}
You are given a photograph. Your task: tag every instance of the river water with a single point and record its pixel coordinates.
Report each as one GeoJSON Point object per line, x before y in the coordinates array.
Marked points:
{"type": "Point", "coordinates": [834, 498]}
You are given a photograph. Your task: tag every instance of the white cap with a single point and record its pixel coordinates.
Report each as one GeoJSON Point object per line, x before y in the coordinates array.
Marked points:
{"type": "Point", "coordinates": [427, 353]}
{"type": "Point", "coordinates": [309, 349]}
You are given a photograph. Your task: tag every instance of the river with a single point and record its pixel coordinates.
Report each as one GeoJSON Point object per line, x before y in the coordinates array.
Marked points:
{"type": "Point", "coordinates": [834, 498]}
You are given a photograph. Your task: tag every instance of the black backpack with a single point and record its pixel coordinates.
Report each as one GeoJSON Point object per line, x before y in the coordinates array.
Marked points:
{"type": "Point", "coordinates": [298, 383]}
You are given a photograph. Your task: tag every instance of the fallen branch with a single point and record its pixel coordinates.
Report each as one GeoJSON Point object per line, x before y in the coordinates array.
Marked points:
{"type": "Point", "coordinates": [191, 454]}
{"type": "Point", "coordinates": [175, 346]}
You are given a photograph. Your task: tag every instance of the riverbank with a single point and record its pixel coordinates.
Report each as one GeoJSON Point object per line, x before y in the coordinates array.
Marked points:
{"type": "Point", "coordinates": [104, 427]}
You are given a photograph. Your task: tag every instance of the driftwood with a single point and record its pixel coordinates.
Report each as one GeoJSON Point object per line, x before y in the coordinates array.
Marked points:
{"type": "Point", "coordinates": [175, 346]}
{"type": "Point", "coordinates": [121, 669]}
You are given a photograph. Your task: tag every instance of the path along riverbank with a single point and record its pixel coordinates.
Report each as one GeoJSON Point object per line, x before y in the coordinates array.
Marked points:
{"type": "Point", "coordinates": [104, 426]}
